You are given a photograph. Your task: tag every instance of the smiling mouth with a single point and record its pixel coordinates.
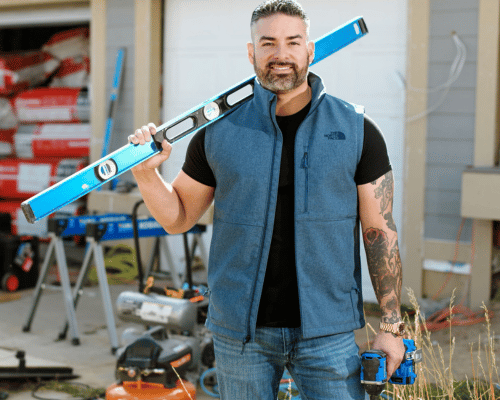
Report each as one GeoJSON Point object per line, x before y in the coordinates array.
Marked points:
{"type": "Point", "coordinates": [281, 70]}
{"type": "Point", "coordinates": [280, 67]}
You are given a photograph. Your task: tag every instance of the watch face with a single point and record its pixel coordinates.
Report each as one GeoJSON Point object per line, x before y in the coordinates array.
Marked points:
{"type": "Point", "coordinates": [401, 328]}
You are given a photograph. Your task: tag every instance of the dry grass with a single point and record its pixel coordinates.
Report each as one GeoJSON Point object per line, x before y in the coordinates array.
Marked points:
{"type": "Point", "coordinates": [435, 378]}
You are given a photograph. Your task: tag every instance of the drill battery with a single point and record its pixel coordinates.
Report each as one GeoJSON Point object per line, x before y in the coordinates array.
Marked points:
{"type": "Point", "coordinates": [374, 368]}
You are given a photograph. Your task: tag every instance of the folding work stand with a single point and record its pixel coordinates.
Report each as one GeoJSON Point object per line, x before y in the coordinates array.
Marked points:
{"type": "Point", "coordinates": [59, 228]}
{"type": "Point", "coordinates": [109, 227]}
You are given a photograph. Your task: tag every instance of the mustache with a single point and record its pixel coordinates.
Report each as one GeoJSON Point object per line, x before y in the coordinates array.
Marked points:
{"type": "Point", "coordinates": [281, 64]}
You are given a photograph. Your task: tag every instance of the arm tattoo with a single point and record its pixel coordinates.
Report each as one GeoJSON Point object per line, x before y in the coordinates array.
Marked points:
{"type": "Point", "coordinates": [384, 264]}
{"type": "Point", "coordinates": [382, 252]}
{"type": "Point", "coordinates": [390, 221]}
{"type": "Point", "coordinates": [385, 192]}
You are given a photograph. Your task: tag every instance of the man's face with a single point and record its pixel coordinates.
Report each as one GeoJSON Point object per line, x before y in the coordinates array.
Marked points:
{"type": "Point", "coordinates": [280, 53]}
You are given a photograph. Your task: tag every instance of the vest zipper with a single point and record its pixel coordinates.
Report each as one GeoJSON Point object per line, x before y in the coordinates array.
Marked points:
{"type": "Point", "coordinates": [249, 328]}
{"type": "Point", "coordinates": [305, 165]}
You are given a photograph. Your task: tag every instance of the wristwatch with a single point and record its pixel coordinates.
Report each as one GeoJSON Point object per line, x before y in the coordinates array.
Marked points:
{"type": "Point", "coordinates": [398, 329]}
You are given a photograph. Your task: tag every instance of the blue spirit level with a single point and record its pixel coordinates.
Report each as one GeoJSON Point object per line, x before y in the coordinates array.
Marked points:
{"type": "Point", "coordinates": [126, 157]}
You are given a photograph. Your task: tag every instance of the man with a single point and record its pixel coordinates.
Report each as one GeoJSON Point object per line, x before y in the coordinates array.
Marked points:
{"type": "Point", "coordinates": [291, 173]}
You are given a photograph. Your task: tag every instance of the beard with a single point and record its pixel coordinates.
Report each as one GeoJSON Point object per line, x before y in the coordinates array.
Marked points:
{"type": "Point", "coordinates": [281, 83]}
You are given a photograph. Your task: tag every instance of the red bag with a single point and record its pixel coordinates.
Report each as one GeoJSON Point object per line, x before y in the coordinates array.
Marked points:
{"type": "Point", "coordinates": [73, 72]}
{"type": "Point", "coordinates": [69, 44]}
{"type": "Point", "coordinates": [7, 142]}
{"type": "Point", "coordinates": [53, 105]}
{"type": "Point", "coordinates": [20, 71]}
{"type": "Point", "coordinates": [53, 140]}
{"type": "Point", "coordinates": [73, 49]}
{"type": "Point", "coordinates": [21, 179]}
{"type": "Point", "coordinates": [8, 119]}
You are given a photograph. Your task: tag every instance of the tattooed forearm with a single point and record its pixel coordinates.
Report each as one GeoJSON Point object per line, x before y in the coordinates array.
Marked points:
{"type": "Point", "coordinates": [384, 264]}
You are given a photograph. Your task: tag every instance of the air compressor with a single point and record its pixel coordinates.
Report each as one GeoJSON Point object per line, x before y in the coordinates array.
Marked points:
{"type": "Point", "coordinates": [161, 362]}
{"type": "Point", "coordinates": [153, 367]}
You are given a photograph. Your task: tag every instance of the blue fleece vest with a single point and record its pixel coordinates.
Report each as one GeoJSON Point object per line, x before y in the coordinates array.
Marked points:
{"type": "Point", "coordinates": [244, 151]}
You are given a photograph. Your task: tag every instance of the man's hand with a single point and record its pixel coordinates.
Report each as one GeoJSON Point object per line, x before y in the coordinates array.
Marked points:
{"type": "Point", "coordinates": [393, 347]}
{"type": "Point", "coordinates": [143, 135]}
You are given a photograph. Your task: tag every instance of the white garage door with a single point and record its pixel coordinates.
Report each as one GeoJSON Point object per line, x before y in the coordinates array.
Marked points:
{"type": "Point", "coordinates": [205, 53]}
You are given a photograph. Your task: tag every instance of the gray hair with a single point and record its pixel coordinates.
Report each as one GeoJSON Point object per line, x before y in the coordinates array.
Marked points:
{"type": "Point", "coordinates": [287, 7]}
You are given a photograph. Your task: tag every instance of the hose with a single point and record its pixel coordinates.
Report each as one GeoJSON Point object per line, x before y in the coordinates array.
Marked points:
{"type": "Point", "coordinates": [210, 374]}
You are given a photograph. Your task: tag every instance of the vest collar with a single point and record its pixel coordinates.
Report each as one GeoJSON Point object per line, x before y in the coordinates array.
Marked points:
{"type": "Point", "coordinates": [265, 100]}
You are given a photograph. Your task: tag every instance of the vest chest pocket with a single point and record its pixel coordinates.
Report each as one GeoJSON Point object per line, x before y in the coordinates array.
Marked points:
{"type": "Point", "coordinates": [327, 175]}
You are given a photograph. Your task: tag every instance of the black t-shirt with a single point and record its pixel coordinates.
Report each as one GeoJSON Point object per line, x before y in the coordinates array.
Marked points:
{"type": "Point", "coordinates": [279, 303]}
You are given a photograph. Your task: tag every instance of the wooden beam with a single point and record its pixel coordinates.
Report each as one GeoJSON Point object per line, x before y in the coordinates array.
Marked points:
{"type": "Point", "coordinates": [41, 3]}
{"type": "Point", "coordinates": [481, 193]}
{"type": "Point", "coordinates": [487, 85]}
{"type": "Point", "coordinates": [444, 250]}
{"type": "Point", "coordinates": [147, 80]}
{"type": "Point", "coordinates": [412, 248]}
{"type": "Point", "coordinates": [97, 76]}
{"type": "Point", "coordinates": [486, 139]}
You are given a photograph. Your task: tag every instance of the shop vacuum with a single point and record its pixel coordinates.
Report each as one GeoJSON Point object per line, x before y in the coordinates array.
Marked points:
{"type": "Point", "coordinates": [19, 258]}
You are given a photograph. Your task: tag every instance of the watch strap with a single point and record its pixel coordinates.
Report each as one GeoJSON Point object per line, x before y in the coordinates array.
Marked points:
{"type": "Point", "coordinates": [397, 329]}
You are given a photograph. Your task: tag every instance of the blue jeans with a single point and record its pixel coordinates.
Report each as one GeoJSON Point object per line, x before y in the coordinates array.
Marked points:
{"type": "Point", "coordinates": [323, 368]}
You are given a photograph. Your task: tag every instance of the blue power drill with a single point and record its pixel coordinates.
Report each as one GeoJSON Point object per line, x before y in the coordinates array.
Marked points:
{"type": "Point", "coordinates": [374, 369]}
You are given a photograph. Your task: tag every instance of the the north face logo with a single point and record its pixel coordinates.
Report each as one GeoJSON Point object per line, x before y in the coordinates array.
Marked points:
{"type": "Point", "coordinates": [336, 135]}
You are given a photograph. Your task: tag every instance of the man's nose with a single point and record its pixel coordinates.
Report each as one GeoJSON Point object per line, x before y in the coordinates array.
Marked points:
{"type": "Point", "coordinates": [280, 53]}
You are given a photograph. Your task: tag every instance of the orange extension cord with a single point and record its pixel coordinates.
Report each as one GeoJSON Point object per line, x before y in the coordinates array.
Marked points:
{"type": "Point", "coordinates": [458, 315]}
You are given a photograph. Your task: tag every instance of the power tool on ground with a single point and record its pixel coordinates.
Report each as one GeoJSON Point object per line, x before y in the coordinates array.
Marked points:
{"type": "Point", "coordinates": [374, 369]}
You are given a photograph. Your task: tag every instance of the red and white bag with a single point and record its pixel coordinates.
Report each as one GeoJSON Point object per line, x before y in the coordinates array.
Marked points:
{"type": "Point", "coordinates": [69, 44]}
{"type": "Point", "coordinates": [21, 179]}
{"type": "Point", "coordinates": [53, 140]}
{"type": "Point", "coordinates": [8, 119]}
{"type": "Point", "coordinates": [52, 105]}
{"type": "Point", "coordinates": [73, 72]}
{"type": "Point", "coordinates": [72, 48]}
{"type": "Point", "coordinates": [20, 71]}
{"type": "Point", "coordinates": [7, 142]}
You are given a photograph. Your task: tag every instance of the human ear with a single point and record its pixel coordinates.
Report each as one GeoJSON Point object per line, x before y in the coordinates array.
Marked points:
{"type": "Point", "coordinates": [310, 51]}
{"type": "Point", "coordinates": [250, 51]}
